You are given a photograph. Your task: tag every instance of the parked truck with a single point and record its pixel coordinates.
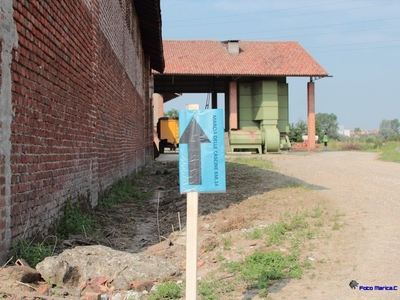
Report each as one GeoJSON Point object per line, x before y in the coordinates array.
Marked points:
{"type": "Point", "coordinates": [168, 133]}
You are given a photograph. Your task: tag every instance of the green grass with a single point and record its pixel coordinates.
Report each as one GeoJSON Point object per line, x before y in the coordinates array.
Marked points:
{"type": "Point", "coordinates": [276, 233]}
{"type": "Point", "coordinates": [294, 232]}
{"type": "Point", "coordinates": [212, 288]}
{"type": "Point", "coordinates": [227, 242]}
{"type": "Point", "coordinates": [220, 257]}
{"type": "Point", "coordinates": [75, 220]}
{"type": "Point", "coordinates": [261, 267]}
{"type": "Point", "coordinates": [256, 234]}
{"type": "Point", "coordinates": [279, 231]}
{"type": "Point", "coordinates": [78, 218]}
{"type": "Point", "coordinates": [317, 212]}
{"type": "Point", "coordinates": [33, 253]}
{"type": "Point", "coordinates": [122, 192]}
{"type": "Point", "coordinates": [298, 221]}
{"type": "Point", "coordinates": [257, 162]}
{"type": "Point", "coordinates": [390, 152]}
{"type": "Point", "coordinates": [207, 290]}
{"type": "Point", "coordinates": [209, 244]}
{"type": "Point", "coordinates": [354, 144]}
{"type": "Point", "coordinates": [296, 184]}
{"type": "Point", "coordinates": [337, 215]}
{"type": "Point", "coordinates": [167, 290]}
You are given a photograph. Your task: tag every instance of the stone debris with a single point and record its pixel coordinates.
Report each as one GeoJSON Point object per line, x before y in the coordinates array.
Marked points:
{"type": "Point", "coordinates": [90, 272]}
{"type": "Point", "coordinates": [74, 267]}
{"type": "Point", "coordinates": [22, 274]}
{"type": "Point", "coordinates": [157, 248]}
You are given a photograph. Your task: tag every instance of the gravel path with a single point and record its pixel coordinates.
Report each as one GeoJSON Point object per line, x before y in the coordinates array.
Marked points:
{"type": "Point", "coordinates": [368, 247]}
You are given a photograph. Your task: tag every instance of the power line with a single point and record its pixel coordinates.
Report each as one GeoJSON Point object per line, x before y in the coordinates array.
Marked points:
{"type": "Point", "coordinates": [355, 44]}
{"type": "Point", "coordinates": [355, 49]}
{"type": "Point", "coordinates": [296, 36]}
{"type": "Point", "coordinates": [191, 24]}
{"type": "Point", "coordinates": [307, 35]}
{"type": "Point", "coordinates": [263, 12]}
{"type": "Point", "coordinates": [345, 45]}
{"type": "Point", "coordinates": [336, 32]}
{"type": "Point", "coordinates": [312, 27]}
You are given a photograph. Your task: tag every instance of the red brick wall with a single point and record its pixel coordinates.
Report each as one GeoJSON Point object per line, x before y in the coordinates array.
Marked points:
{"type": "Point", "coordinates": [81, 109]}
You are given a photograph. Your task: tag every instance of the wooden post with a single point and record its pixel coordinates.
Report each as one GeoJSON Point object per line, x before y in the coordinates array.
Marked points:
{"type": "Point", "coordinates": [192, 199]}
{"type": "Point", "coordinates": [311, 115]}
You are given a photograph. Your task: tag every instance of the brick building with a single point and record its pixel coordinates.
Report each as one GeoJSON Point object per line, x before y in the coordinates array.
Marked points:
{"type": "Point", "coordinates": [75, 112]}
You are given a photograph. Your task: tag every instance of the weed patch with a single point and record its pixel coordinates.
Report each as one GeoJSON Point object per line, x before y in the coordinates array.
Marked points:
{"type": "Point", "coordinates": [212, 288]}
{"type": "Point", "coordinates": [33, 253]}
{"type": "Point", "coordinates": [256, 234]}
{"type": "Point", "coordinates": [260, 268]}
{"type": "Point", "coordinates": [122, 192]}
{"type": "Point", "coordinates": [390, 152]}
{"type": "Point", "coordinates": [276, 233]}
{"type": "Point", "coordinates": [351, 147]}
{"type": "Point", "coordinates": [75, 221]}
{"type": "Point", "coordinates": [254, 162]}
{"type": "Point", "coordinates": [209, 244]}
{"type": "Point", "coordinates": [167, 290]}
{"type": "Point", "coordinates": [295, 184]}
{"type": "Point", "coordinates": [227, 242]}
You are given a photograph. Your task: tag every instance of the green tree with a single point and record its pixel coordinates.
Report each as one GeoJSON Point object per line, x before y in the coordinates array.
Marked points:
{"type": "Point", "coordinates": [172, 113]}
{"type": "Point", "coordinates": [395, 125]}
{"type": "Point", "coordinates": [319, 131]}
{"type": "Point", "coordinates": [328, 123]}
{"type": "Point", "coordinates": [296, 131]}
{"type": "Point", "coordinates": [389, 129]}
{"type": "Point", "coordinates": [357, 130]}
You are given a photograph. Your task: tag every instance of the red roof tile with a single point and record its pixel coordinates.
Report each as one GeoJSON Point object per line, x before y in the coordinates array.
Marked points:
{"type": "Point", "coordinates": [255, 58]}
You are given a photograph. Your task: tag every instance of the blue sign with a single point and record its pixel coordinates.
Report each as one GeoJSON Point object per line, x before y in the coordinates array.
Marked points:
{"type": "Point", "coordinates": [201, 151]}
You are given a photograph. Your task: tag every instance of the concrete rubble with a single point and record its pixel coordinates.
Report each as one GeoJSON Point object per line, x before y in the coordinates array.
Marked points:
{"type": "Point", "coordinates": [91, 272]}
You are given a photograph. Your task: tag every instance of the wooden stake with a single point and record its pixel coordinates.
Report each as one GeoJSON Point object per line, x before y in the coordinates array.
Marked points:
{"type": "Point", "coordinates": [158, 221]}
{"type": "Point", "coordinates": [191, 245]}
{"type": "Point", "coordinates": [179, 221]}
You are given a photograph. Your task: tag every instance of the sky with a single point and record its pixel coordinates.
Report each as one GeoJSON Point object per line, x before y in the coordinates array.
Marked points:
{"type": "Point", "coordinates": [357, 42]}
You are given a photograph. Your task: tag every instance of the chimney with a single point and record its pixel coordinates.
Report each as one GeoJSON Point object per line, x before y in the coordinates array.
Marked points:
{"type": "Point", "coordinates": [233, 46]}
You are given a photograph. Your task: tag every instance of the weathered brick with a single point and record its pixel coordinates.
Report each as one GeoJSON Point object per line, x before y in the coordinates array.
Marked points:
{"type": "Point", "coordinates": [79, 93]}
{"type": "Point", "coordinates": [43, 289]}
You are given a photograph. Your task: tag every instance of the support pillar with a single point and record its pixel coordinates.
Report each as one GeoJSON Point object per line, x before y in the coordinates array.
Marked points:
{"type": "Point", "coordinates": [158, 107]}
{"type": "Point", "coordinates": [226, 108]}
{"type": "Point", "coordinates": [233, 105]}
{"type": "Point", "coordinates": [158, 112]}
{"type": "Point", "coordinates": [311, 115]}
{"type": "Point", "coordinates": [214, 102]}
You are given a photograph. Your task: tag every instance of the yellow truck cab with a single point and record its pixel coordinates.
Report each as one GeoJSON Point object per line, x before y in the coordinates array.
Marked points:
{"type": "Point", "coordinates": [168, 133]}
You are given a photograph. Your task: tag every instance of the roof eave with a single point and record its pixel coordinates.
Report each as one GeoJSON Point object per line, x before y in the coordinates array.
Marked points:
{"type": "Point", "coordinates": [149, 14]}
{"type": "Point", "coordinates": [244, 74]}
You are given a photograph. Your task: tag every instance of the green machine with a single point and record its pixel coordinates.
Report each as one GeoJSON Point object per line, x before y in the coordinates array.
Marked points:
{"type": "Point", "coordinates": [263, 117]}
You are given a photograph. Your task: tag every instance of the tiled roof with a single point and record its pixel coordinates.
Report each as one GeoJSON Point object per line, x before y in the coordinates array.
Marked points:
{"type": "Point", "coordinates": [195, 57]}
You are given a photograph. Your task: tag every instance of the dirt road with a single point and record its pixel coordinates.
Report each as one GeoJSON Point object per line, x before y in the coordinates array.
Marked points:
{"type": "Point", "coordinates": [365, 247]}
{"type": "Point", "coordinates": [368, 247]}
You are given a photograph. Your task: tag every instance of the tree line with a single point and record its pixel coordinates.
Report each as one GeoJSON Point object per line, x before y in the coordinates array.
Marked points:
{"type": "Point", "coordinates": [324, 123]}
{"type": "Point", "coordinates": [327, 123]}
